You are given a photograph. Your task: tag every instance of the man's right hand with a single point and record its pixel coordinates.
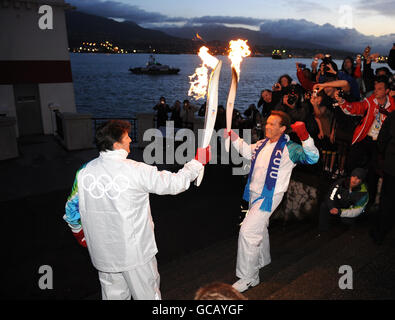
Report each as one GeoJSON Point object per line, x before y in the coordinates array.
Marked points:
{"type": "Point", "coordinates": [334, 211]}
{"type": "Point", "coordinates": [233, 135]}
{"type": "Point", "coordinates": [203, 155]}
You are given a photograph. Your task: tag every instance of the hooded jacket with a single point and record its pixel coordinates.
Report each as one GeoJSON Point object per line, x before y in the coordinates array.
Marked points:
{"type": "Point", "coordinates": [350, 204]}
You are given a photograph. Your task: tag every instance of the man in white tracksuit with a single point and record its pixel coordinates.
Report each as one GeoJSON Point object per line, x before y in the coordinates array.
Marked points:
{"type": "Point", "coordinates": [273, 160]}
{"type": "Point", "coordinates": [108, 211]}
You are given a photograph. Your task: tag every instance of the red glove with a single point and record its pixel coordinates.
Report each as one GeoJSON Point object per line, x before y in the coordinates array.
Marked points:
{"type": "Point", "coordinates": [80, 237]}
{"type": "Point", "coordinates": [233, 135]}
{"type": "Point", "coordinates": [203, 155]}
{"type": "Point", "coordinates": [300, 129]}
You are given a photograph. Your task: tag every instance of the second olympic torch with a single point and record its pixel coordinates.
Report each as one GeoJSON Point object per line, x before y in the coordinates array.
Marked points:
{"type": "Point", "coordinates": [238, 50]}
{"type": "Point", "coordinates": [211, 111]}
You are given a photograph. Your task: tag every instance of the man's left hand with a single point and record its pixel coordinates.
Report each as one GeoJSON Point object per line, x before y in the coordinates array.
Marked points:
{"type": "Point", "coordinates": [300, 129]}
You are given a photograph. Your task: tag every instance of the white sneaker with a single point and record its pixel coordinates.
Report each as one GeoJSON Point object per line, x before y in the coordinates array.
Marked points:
{"type": "Point", "coordinates": [243, 284]}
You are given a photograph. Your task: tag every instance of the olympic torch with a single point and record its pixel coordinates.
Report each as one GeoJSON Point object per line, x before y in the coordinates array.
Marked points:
{"type": "Point", "coordinates": [199, 88]}
{"type": "Point", "coordinates": [238, 50]}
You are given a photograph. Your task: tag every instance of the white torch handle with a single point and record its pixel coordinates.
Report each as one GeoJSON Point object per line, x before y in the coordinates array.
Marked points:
{"type": "Point", "coordinates": [230, 106]}
{"type": "Point", "coordinates": [211, 111]}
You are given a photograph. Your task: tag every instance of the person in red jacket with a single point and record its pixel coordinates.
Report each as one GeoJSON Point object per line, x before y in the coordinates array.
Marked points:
{"type": "Point", "coordinates": [374, 109]}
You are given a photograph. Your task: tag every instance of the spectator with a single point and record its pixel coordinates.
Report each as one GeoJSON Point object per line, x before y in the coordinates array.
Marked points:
{"type": "Point", "coordinates": [176, 114]}
{"type": "Point", "coordinates": [252, 114]}
{"type": "Point", "coordinates": [202, 110]}
{"type": "Point", "coordinates": [188, 113]}
{"type": "Point", "coordinates": [282, 84]}
{"type": "Point", "coordinates": [374, 110]}
{"type": "Point", "coordinates": [269, 101]}
{"type": "Point", "coordinates": [343, 125]}
{"type": "Point", "coordinates": [305, 79]}
{"type": "Point", "coordinates": [325, 119]}
{"type": "Point", "coordinates": [346, 200]}
{"type": "Point", "coordinates": [391, 57]}
{"type": "Point", "coordinates": [369, 76]}
{"type": "Point", "coordinates": [386, 147]}
{"type": "Point", "coordinates": [218, 291]}
{"type": "Point", "coordinates": [298, 111]}
{"type": "Point", "coordinates": [352, 68]}
{"type": "Point", "coordinates": [162, 109]}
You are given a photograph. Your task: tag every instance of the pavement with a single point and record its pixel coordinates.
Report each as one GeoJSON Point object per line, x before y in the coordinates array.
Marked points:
{"type": "Point", "coordinates": [196, 234]}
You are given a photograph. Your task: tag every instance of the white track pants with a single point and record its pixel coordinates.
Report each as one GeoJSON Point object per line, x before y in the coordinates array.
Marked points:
{"type": "Point", "coordinates": [141, 283]}
{"type": "Point", "coordinates": [253, 250]}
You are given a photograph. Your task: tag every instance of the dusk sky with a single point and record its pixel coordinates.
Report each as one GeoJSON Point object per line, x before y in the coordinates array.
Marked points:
{"type": "Point", "coordinates": [370, 17]}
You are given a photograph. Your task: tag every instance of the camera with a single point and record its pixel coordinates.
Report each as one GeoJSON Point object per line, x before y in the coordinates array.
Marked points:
{"type": "Point", "coordinates": [315, 92]}
{"type": "Point", "coordinates": [292, 95]}
{"type": "Point", "coordinates": [326, 61]}
{"type": "Point", "coordinates": [301, 65]}
{"type": "Point", "coordinates": [341, 93]}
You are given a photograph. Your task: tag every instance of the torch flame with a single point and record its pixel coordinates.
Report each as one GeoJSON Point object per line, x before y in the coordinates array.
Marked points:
{"type": "Point", "coordinates": [238, 50]}
{"type": "Point", "coordinates": [199, 37]}
{"type": "Point", "coordinates": [199, 80]}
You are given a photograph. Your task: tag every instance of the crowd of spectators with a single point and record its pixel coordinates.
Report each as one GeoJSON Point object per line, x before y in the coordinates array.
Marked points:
{"type": "Point", "coordinates": [343, 110]}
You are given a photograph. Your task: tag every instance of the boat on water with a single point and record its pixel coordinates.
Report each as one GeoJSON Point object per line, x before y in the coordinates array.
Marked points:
{"type": "Point", "coordinates": [154, 68]}
{"type": "Point", "coordinates": [279, 54]}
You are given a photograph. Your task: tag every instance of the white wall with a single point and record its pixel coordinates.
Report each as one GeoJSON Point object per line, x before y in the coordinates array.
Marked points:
{"type": "Point", "coordinates": [22, 39]}
{"type": "Point", "coordinates": [7, 102]}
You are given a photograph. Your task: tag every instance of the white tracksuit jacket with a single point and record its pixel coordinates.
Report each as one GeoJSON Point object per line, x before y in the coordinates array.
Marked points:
{"type": "Point", "coordinates": [253, 244]}
{"type": "Point", "coordinates": [110, 202]}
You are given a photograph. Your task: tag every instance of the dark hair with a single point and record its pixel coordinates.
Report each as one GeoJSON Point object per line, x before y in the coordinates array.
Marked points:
{"type": "Point", "coordinates": [218, 291]}
{"type": "Point", "coordinates": [285, 76]}
{"type": "Point", "coordinates": [110, 132]}
{"type": "Point", "coordinates": [383, 79]}
{"type": "Point", "coordinates": [285, 118]}
{"type": "Point", "coordinates": [385, 69]}
{"type": "Point", "coordinates": [352, 65]}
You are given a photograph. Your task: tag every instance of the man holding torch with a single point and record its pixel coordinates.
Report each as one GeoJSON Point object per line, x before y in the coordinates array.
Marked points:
{"type": "Point", "coordinates": [272, 162]}
{"type": "Point", "coordinates": [109, 212]}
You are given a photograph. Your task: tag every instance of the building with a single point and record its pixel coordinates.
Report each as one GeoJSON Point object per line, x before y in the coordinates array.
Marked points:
{"type": "Point", "coordinates": [35, 69]}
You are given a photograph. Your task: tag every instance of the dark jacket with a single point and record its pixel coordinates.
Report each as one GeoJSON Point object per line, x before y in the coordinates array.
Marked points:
{"type": "Point", "coordinates": [269, 107]}
{"type": "Point", "coordinates": [350, 204]}
{"type": "Point", "coordinates": [386, 144]}
{"type": "Point", "coordinates": [391, 59]}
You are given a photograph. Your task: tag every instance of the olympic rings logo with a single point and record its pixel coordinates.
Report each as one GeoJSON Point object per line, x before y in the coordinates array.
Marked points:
{"type": "Point", "coordinates": [104, 185]}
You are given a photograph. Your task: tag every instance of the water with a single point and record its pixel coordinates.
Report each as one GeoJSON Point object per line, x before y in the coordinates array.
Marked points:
{"type": "Point", "coordinates": [104, 87]}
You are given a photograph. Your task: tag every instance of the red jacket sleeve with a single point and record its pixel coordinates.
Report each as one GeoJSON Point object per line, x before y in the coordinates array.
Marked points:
{"type": "Point", "coordinates": [357, 72]}
{"type": "Point", "coordinates": [306, 83]}
{"type": "Point", "coordinates": [355, 108]}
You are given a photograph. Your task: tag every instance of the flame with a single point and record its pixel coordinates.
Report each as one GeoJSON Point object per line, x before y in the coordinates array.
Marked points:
{"type": "Point", "coordinates": [199, 37]}
{"type": "Point", "coordinates": [199, 80]}
{"type": "Point", "coordinates": [239, 49]}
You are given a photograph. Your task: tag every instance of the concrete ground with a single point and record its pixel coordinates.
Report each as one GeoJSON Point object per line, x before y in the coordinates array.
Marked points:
{"type": "Point", "coordinates": [196, 234]}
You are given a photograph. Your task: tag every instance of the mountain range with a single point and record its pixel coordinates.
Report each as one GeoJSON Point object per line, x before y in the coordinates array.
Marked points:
{"type": "Point", "coordinates": [301, 37]}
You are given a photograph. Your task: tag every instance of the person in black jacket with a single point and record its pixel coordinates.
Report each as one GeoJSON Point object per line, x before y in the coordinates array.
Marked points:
{"type": "Point", "coordinates": [386, 147]}
{"type": "Point", "coordinates": [346, 200]}
{"type": "Point", "coordinates": [391, 58]}
{"type": "Point", "coordinates": [162, 109]}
